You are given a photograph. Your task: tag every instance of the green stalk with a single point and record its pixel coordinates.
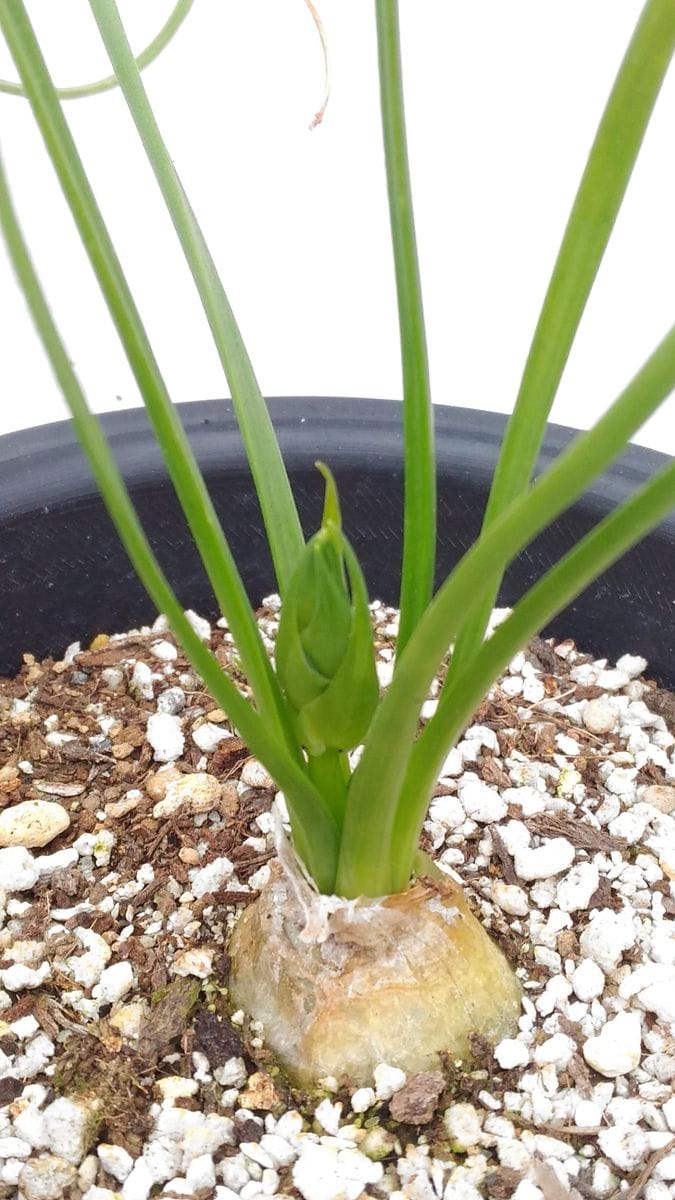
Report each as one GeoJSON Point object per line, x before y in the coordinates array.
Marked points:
{"type": "Point", "coordinates": [185, 475]}
{"type": "Point", "coordinates": [368, 825]}
{"type": "Point", "coordinates": [419, 515]}
{"type": "Point", "coordinates": [611, 538]}
{"type": "Point", "coordinates": [330, 775]}
{"type": "Point", "coordinates": [601, 191]}
{"type": "Point", "coordinates": [271, 481]}
{"type": "Point", "coordinates": [143, 60]}
{"type": "Point", "coordinates": [314, 829]}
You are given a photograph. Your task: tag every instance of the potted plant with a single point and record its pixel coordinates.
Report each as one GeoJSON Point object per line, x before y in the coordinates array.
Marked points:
{"type": "Point", "coordinates": [352, 951]}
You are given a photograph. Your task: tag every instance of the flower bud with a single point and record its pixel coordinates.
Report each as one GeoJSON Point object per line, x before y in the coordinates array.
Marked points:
{"type": "Point", "coordinates": [324, 651]}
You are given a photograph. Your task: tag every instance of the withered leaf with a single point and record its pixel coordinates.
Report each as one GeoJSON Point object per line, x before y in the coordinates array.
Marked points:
{"type": "Point", "coordinates": [168, 1018]}
{"type": "Point", "coordinates": [581, 835]}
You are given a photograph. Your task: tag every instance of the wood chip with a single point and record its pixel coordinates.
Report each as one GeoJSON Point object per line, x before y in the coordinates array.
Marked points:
{"type": "Point", "coordinates": [499, 846]}
{"type": "Point", "coordinates": [581, 835]}
{"type": "Point", "coordinates": [56, 788]}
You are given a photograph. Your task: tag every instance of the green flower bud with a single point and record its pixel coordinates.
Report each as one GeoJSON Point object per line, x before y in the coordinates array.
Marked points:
{"type": "Point", "coordinates": [324, 652]}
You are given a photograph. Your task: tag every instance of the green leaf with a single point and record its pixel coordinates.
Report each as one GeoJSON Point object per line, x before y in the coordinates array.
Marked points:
{"type": "Point", "coordinates": [364, 868]}
{"type": "Point", "coordinates": [419, 519]}
{"type": "Point", "coordinates": [339, 717]}
{"type": "Point", "coordinates": [185, 475]}
{"type": "Point", "coordinates": [331, 503]}
{"type": "Point", "coordinates": [267, 467]}
{"type": "Point", "coordinates": [597, 203]}
{"type": "Point", "coordinates": [324, 651]}
{"type": "Point", "coordinates": [142, 60]}
{"type": "Point", "coordinates": [611, 538]}
{"type": "Point", "coordinates": [314, 829]}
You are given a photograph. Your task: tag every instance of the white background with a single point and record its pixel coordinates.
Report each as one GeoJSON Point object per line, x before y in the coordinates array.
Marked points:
{"type": "Point", "coordinates": [503, 100]}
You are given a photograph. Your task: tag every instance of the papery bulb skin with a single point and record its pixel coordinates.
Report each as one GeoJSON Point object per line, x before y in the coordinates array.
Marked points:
{"type": "Point", "coordinates": [341, 986]}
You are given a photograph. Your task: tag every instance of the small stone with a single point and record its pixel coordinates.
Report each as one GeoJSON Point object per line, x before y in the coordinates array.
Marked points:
{"type": "Point", "coordinates": [632, 664]}
{"type": "Point", "coordinates": [448, 811]}
{"type": "Point", "coordinates": [616, 1049]}
{"type": "Point", "coordinates": [32, 823]}
{"type": "Point", "coordinates": [19, 871]}
{"type": "Point", "coordinates": [255, 775]}
{"type": "Point", "coordinates": [46, 1178]}
{"type": "Point", "coordinates": [328, 1173]}
{"type": "Point", "coordinates": [164, 651]}
{"type": "Point", "coordinates": [328, 1115]}
{"type": "Point", "coordinates": [201, 1174]}
{"type": "Point", "coordinates": [173, 1087]}
{"type": "Point", "coordinates": [668, 1111]}
{"type": "Point", "coordinates": [232, 1074]}
{"type": "Point", "coordinates": [207, 736]}
{"type": "Point", "coordinates": [115, 1160]}
{"type": "Point", "coordinates": [19, 977]}
{"type": "Point", "coordinates": [575, 890]}
{"type": "Point", "coordinates": [624, 1145]}
{"type": "Point", "coordinates": [210, 879]}
{"type": "Point", "coordinates": [141, 681]}
{"type": "Point", "coordinates": [362, 1099]}
{"type": "Point", "coordinates": [660, 796]}
{"type": "Point", "coordinates": [553, 857]}
{"type": "Point", "coordinates": [114, 983]}
{"type": "Point", "coordinates": [510, 898]}
{"type": "Point", "coordinates": [612, 680]}
{"type": "Point", "coordinates": [197, 961]}
{"type": "Point", "coordinates": [165, 735]}
{"type": "Point", "coordinates": [195, 793]}
{"type": "Point", "coordinates": [113, 678]}
{"type": "Point", "coordinates": [157, 783]}
{"type": "Point", "coordinates": [139, 1182]}
{"type": "Point", "coordinates": [68, 1123]}
{"type": "Point", "coordinates": [416, 1102]}
{"type": "Point", "coordinates": [631, 824]}
{"type": "Point", "coordinates": [587, 1114]}
{"type": "Point", "coordinates": [387, 1080]}
{"type": "Point", "coordinates": [557, 1051]}
{"type": "Point", "coordinates": [199, 624]}
{"type": "Point", "coordinates": [606, 937]}
{"type": "Point", "coordinates": [171, 700]}
{"type": "Point", "coordinates": [128, 1019]}
{"type": "Point", "coordinates": [511, 1053]}
{"type": "Point", "coordinates": [48, 864]}
{"type": "Point", "coordinates": [260, 1094]}
{"type": "Point", "coordinates": [119, 808]}
{"type": "Point", "coordinates": [378, 1143]}
{"type": "Point", "coordinates": [481, 803]}
{"type": "Point", "coordinates": [653, 984]}
{"type": "Point", "coordinates": [600, 716]}
{"type": "Point", "coordinates": [588, 980]}
{"type": "Point", "coordinates": [463, 1127]}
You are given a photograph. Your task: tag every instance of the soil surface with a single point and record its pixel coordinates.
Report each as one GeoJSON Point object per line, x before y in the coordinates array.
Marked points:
{"type": "Point", "coordinates": [135, 829]}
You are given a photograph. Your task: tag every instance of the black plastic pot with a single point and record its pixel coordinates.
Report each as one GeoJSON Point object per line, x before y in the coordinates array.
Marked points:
{"type": "Point", "coordinates": [64, 575]}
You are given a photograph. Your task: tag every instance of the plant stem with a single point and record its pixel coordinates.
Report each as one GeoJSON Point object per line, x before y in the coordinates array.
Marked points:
{"type": "Point", "coordinates": [143, 60]}
{"type": "Point", "coordinates": [594, 554]}
{"type": "Point", "coordinates": [419, 519]}
{"type": "Point", "coordinates": [365, 856]}
{"type": "Point", "coordinates": [185, 475]}
{"type": "Point", "coordinates": [314, 828]}
{"type": "Point", "coordinates": [599, 197]}
{"type": "Point", "coordinates": [269, 473]}
{"type": "Point", "coordinates": [330, 775]}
